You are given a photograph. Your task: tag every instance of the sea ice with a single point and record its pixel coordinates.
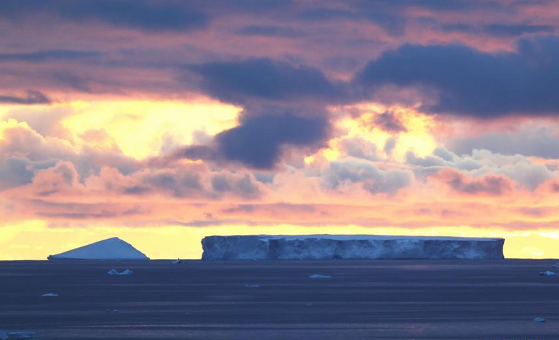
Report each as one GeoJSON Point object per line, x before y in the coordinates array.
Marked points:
{"type": "Point", "coordinates": [116, 272]}
{"type": "Point", "coordinates": [318, 276]}
{"type": "Point", "coordinates": [109, 249]}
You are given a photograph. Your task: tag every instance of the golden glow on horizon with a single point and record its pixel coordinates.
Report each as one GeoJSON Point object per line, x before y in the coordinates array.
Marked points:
{"type": "Point", "coordinates": [417, 137]}
{"type": "Point", "coordinates": [141, 128]}
{"type": "Point", "coordinates": [34, 240]}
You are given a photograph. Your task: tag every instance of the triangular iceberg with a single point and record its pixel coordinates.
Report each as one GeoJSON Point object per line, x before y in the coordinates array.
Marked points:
{"type": "Point", "coordinates": [109, 249]}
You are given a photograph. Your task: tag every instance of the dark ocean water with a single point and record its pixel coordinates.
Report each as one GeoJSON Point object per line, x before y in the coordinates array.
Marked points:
{"type": "Point", "coordinates": [396, 299]}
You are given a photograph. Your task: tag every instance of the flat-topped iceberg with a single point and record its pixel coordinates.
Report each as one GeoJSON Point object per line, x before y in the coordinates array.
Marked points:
{"type": "Point", "coordinates": [109, 249]}
{"type": "Point", "coordinates": [316, 247]}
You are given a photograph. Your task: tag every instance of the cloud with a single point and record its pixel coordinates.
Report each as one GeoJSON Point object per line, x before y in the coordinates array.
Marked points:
{"type": "Point", "coordinates": [359, 148]}
{"type": "Point", "coordinates": [471, 82]}
{"type": "Point", "coordinates": [22, 145]}
{"type": "Point", "coordinates": [393, 16]}
{"type": "Point", "coordinates": [349, 171]}
{"type": "Point", "coordinates": [73, 81]}
{"type": "Point", "coordinates": [258, 141]}
{"type": "Point", "coordinates": [244, 186]}
{"type": "Point", "coordinates": [262, 79]}
{"type": "Point", "coordinates": [489, 184]}
{"type": "Point", "coordinates": [42, 56]}
{"type": "Point", "coordinates": [268, 31]}
{"type": "Point", "coordinates": [145, 15]}
{"type": "Point", "coordinates": [537, 141]}
{"type": "Point", "coordinates": [518, 168]}
{"type": "Point", "coordinates": [15, 171]}
{"type": "Point", "coordinates": [32, 97]}
{"type": "Point", "coordinates": [499, 29]}
{"type": "Point", "coordinates": [389, 122]}
{"type": "Point", "coordinates": [176, 181]}
{"type": "Point", "coordinates": [33, 166]}
{"type": "Point", "coordinates": [55, 180]}
{"type": "Point", "coordinates": [516, 30]}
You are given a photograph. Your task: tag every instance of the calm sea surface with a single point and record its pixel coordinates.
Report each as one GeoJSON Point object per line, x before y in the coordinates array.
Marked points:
{"type": "Point", "coordinates": [396, 299]}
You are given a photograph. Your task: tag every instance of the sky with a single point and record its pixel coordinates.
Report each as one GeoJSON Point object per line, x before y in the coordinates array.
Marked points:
{"type": "Point", "coordinates": [162, 122]}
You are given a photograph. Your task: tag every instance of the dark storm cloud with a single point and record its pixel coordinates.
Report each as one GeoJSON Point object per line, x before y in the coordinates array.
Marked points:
{"type": "Point", "coordinates": [391, 15]}
{"type": "Point", "coordinates": [471, 82]}
{"type": "Point", "coordinates": [42, 56]}
{"type": "Point", "coordinates": [32, 97]}
{"type": "Point", "coordinates": [71, 80]}
{"type": "Point", "coordinates": [390, 20]}
{"type": "Point", "coordinates": [435, 5]}
{"type": "Point", "coordinates": [262, 79]}
{"type": "Point", "coordinates": [516, 30]}
{"type": "Point", "coordinates": [500, 30]}
{"type": "Point", "coordinates": [258, 141]}
{"type": "Point", "coordinates": [269, 31]}
{"type": "Point", "coordinates": [146, 15]}
{"type": "Point", "coordinates": [389, 122]}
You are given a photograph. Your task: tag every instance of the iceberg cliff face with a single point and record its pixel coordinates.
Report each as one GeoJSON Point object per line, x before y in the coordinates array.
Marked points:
{"type": "Point", "coordinates": [316, 247]}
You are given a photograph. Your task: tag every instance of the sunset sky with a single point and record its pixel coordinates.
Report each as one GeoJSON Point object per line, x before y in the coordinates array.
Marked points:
{"type": "Point", "coordinates": [162, 122]}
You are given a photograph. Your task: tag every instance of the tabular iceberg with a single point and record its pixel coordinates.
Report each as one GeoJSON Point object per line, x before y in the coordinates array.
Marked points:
{"type": "Point", "coordinates": [315, 247]}
{"type": "Point", "coordinates": [109, 249]}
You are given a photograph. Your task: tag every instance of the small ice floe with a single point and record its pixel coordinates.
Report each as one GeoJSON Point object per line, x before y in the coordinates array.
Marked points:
{"type": "Point", "coordinates": [548, 273]}
{"type": "Point", "coordinates": [5, 335]}
{"type": "Point", "coordinates": [116, 272]}
{"type": "Point", "coordinates": [556, 265]}
{"type": "Point", "coordinates": [252, 286]}
{"type": "Point", "coordinates": [177, 261]}
{"type": "Point", "coordinates": [539, 319]}
{"type": "Point", "coordinates": [318, 276]}
{"type": "Point", "coordinates": [50, 295]}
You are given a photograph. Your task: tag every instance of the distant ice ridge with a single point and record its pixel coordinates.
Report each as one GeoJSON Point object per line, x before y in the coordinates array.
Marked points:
{"type": "Point", "coordinates": [316, 247]}
{"type": "Point", "coordinates": [109, 249]}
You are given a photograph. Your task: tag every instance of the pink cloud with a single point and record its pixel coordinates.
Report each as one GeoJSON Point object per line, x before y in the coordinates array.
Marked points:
{"type": "Point", "coordinates": [488, 184]}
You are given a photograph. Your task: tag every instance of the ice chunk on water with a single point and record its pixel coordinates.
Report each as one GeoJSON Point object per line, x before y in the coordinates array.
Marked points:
{"type": "Point", "coordinates": [116, 272]}
{"type": "Point", "coordinates": [548, 273]}
{"type": "Point", "coordinates": [318, 276]}
{"type": "Point", "coordinates": [5, 335]}
{"type": "Point", "coordinates": [50, 295]}
{"type": "Point", "coordinates": [252, 286]}
{"type": "Point", "coordinates": [539, 319]}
